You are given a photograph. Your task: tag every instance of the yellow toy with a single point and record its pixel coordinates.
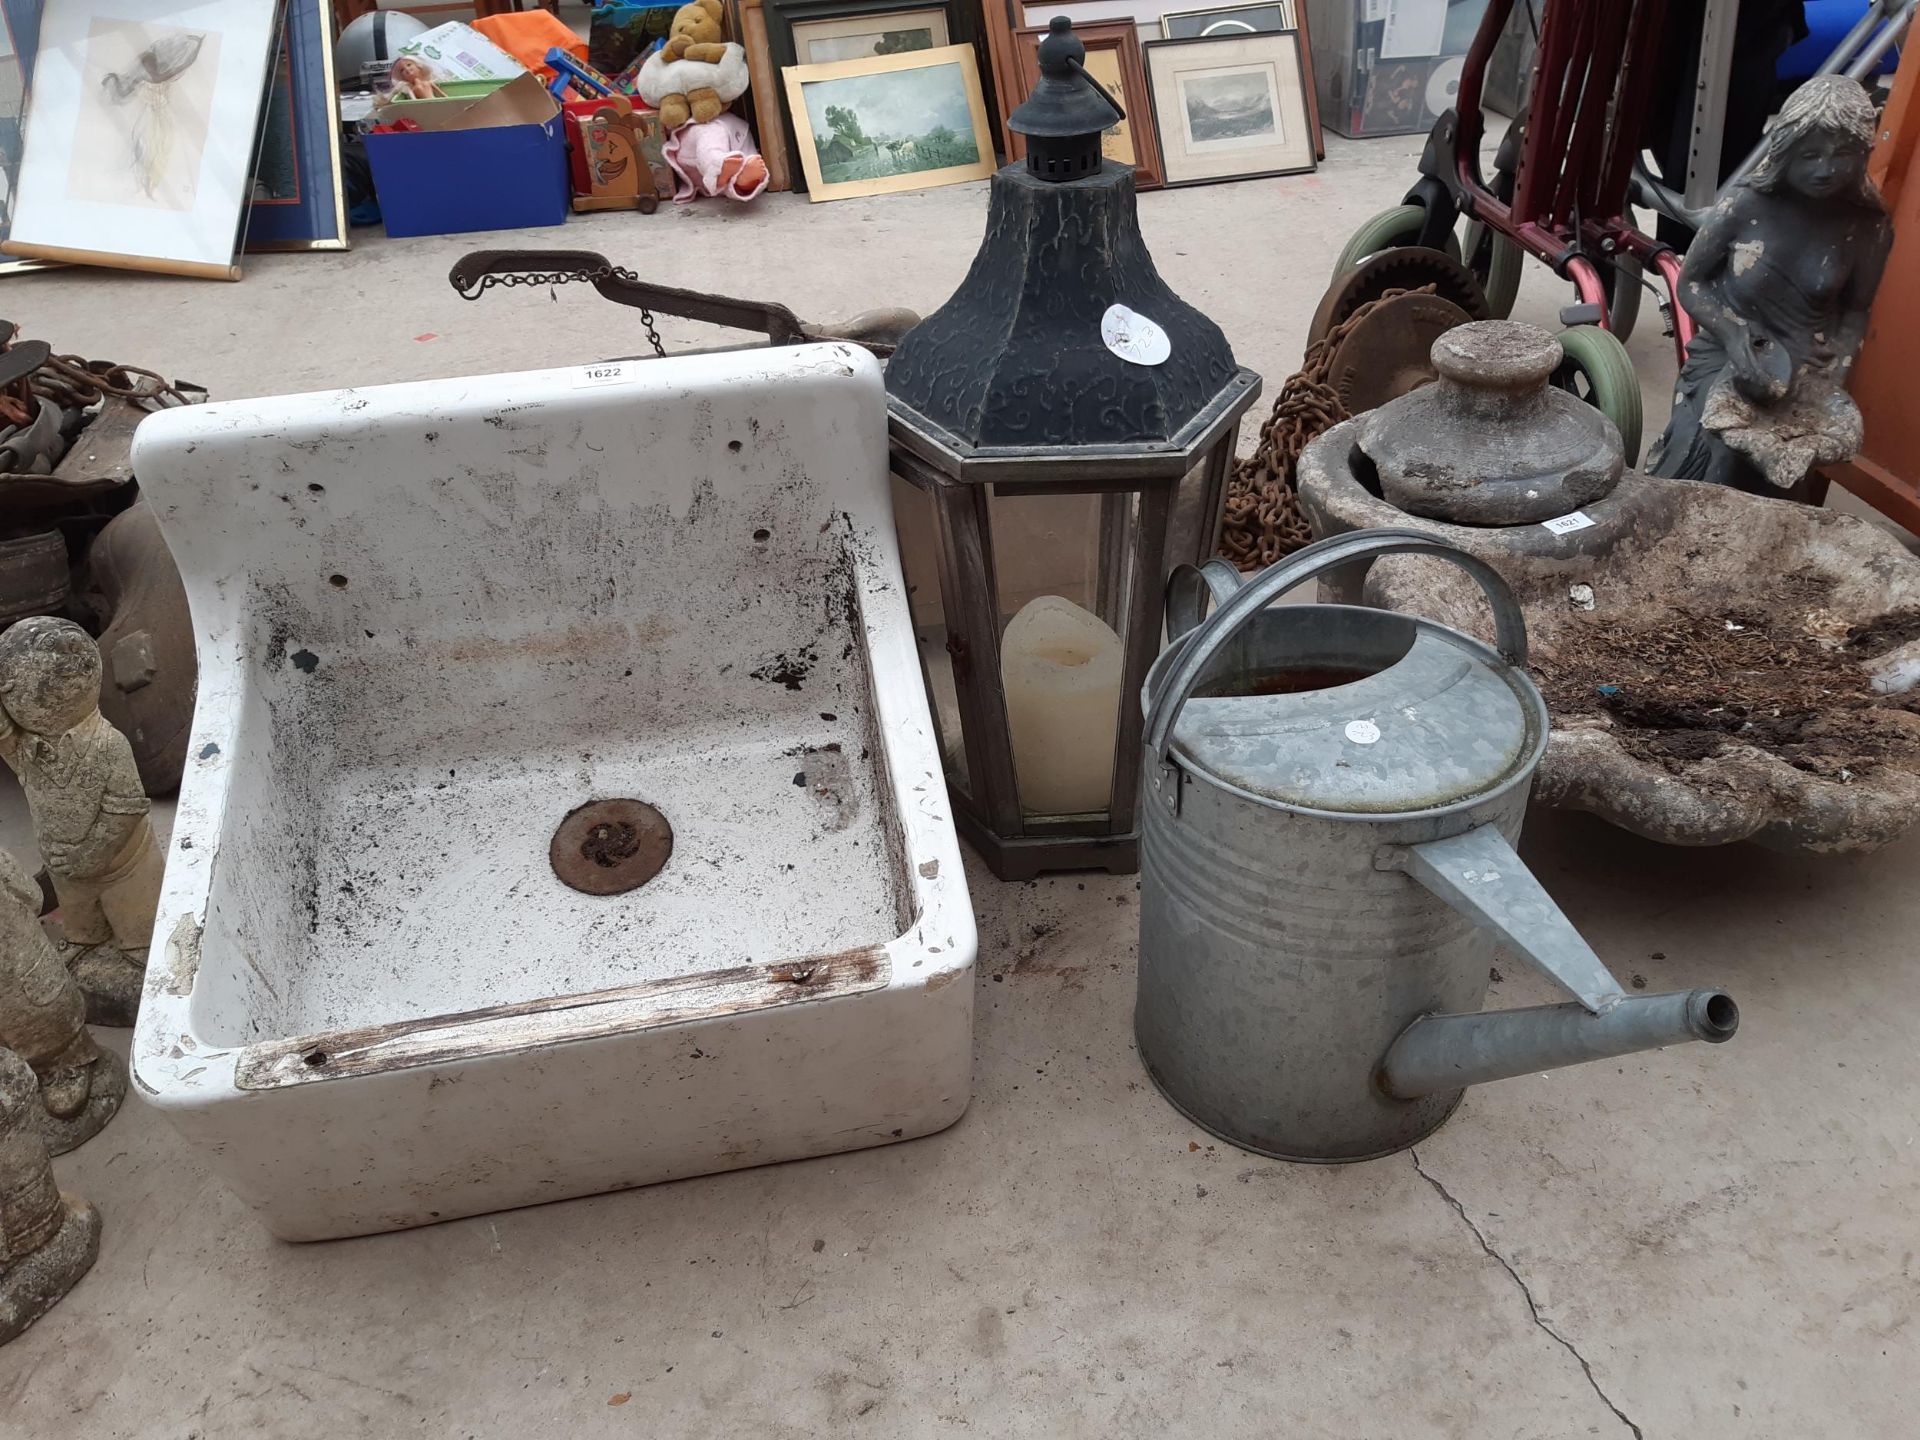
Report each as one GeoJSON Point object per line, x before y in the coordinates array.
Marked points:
{"type": "Point", "coordinates": [698, 72]}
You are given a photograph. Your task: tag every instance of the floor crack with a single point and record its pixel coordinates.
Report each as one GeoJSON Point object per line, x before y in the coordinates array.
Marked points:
{"type": "Point", "coordinates": [1526, 1294]}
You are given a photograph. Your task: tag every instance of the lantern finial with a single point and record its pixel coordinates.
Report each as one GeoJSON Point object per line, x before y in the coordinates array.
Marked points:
{"type": "Point", "coordinates": [1068, 110]}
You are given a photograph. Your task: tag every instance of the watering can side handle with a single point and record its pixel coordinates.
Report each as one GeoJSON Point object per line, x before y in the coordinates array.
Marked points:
{"type": "Point", "coordinates": [1238, 610]}
{"type": "Point", "coordinates": [1186, 587]}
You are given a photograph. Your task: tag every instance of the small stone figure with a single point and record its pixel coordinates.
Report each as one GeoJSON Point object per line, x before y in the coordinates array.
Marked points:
{"type": "Point", "coordinates": [47, 1240]}
{"type": "Point", "coordinates": [89, 809]}
{"type": "Point", "coordinates": [1780, 280]}
{"type": "Point", "coordinates": [43, 1019]}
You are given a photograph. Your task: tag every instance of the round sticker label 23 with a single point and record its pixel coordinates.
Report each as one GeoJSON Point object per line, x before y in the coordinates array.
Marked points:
{"type": "Point", "coordinates": [1133, 337]}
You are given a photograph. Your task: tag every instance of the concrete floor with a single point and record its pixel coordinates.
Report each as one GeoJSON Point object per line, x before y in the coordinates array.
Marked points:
{"type": "Point", "coordinates": [1700, 1242]}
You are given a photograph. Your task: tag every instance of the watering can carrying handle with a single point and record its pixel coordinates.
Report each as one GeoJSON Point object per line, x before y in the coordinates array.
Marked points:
{"type": "Point", "coordinates": [1237, 604]}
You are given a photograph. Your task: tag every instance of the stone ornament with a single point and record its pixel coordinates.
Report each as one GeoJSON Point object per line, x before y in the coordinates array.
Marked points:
{"type": "Point", "coordinates": [1780, 280]}
{"type": "Point", "coordinates": [47, 1240]}
{"type": "Point", "coordinates": [43, 1019]}
{"type": "Point", "coordinates": [89, 808]}
{"type": "Point", "coordinates": [1454, 450]}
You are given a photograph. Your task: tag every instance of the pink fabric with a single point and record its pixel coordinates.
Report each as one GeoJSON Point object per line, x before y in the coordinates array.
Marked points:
{"type": "Point", "coordinates": [696, 151]}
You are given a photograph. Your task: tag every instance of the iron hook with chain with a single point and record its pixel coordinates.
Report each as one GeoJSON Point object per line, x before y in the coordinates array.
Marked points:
{"type": "Point", "coordinates": [473, 289]}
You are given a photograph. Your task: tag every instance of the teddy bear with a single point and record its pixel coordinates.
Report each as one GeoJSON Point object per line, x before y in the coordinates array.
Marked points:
{"type": "Point", "coordinates": [696, 74]}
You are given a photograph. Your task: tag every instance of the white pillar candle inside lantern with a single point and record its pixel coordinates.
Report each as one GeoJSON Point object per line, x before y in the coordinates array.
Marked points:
{"type": "Point", "coordinates": [1060, 668]}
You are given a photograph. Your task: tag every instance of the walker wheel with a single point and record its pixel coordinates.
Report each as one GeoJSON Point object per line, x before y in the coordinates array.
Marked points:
{"type": "Point", "coordinates": [1596, 369]}
{"type": "Point", "coordinates": [1496, 263]}
{"type": "Point", "coordinates": [1390, 229]}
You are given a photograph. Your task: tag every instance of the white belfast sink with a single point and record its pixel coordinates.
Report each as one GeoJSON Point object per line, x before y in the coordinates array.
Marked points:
{"type": "Point", "coordinates": [433, 620]}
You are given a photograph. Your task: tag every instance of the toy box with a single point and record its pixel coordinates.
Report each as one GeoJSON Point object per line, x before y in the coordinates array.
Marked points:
{"type": "Point", "coordinates": [495, 163]}
{"type": "Point", "coordinates": [614, 153]}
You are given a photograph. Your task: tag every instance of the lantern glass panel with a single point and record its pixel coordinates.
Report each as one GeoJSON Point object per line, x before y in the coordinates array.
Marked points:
{"type": "Point", "coordinates": [1194, 518]}
{"type": "Point", "coordinates": [914, 521]}
{"type": "Point", "coordinates": [1062, 579]}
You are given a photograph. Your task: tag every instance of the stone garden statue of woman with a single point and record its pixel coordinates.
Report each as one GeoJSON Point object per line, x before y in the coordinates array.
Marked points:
{"type": "Point", "coordinates": [1779, 280]}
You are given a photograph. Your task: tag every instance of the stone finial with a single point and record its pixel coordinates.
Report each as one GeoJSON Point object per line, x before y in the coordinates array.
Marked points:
{"type": "Point", "coordinates": [1491, 442]}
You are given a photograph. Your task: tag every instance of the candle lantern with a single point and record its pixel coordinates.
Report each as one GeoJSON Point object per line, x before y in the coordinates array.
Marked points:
{"type": "Point", "coordinates": [1061, 434]}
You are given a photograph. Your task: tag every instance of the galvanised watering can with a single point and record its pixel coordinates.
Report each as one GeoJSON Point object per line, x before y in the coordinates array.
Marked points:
{"type": "Point", "coordinates": [1326, 860]}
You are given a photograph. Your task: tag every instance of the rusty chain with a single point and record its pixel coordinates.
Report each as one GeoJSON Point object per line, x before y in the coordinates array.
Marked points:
{"type": "Point", "coordinates": [72, 380]}
{"type": "Point", "coordinates": [550, 278]}
{"type": "Point", "coordinates": [1263, 519]}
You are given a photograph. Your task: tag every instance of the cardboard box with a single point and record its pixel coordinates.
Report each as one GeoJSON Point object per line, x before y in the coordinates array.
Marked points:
{"type": "Point", "coordinates": [496, 163]}
{"type": "Point", "coordinates": [457, 52]}
{"type": "Point", "coordinates": [449, 90]}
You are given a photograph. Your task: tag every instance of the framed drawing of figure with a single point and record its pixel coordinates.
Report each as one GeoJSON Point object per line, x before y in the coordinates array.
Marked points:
{"type": "Point", "coordinates": [140, 133]}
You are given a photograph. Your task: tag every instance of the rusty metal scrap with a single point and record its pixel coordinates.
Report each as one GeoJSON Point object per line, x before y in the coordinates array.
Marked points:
{"type": "Point", "coordinates": [1263, 519]}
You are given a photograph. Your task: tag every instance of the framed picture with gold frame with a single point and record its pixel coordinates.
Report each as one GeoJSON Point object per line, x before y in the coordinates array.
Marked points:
{"type": "Point", "coordinates": [19, 40]}
{"type": "Point", "coordinates": [822, 32]}
{"type": "Point", "coordinates": [888, 123]}
{"type": "Point", "coordinates": [1113, 59]}
{"type": "Point", "coordinates": [299, 195]}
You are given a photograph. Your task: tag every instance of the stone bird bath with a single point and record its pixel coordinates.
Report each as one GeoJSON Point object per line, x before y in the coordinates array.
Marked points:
{"type": "Point", "coordinates": [1718, 666]}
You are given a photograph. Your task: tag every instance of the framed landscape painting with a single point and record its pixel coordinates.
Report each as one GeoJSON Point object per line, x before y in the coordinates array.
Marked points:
{"type": "Point", "coordinates": [1230, 107]}
{"type": "Point", "coordinates": [299, 200]}
{"type": "Point", "coordinates": [826, 32]}
{"type": "Point", "coordinates": [859, 37]}
{"type": "Point", "coordinates": [141, 124]}
{"type": "Point", "coordinates": [1254, 20]}
{"type": "Point", "coordinates": [890, 123]}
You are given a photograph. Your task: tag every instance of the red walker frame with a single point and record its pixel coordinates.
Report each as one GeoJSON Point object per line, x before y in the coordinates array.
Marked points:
{"type": "Point", "coordinates": [1573, 168]}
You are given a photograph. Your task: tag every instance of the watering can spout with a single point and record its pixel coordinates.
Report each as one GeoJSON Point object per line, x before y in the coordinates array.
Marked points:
{"type": "Point", "coordinates": [1479, 874]}
{"type": "Point", "coordinates": [1447, 1052]}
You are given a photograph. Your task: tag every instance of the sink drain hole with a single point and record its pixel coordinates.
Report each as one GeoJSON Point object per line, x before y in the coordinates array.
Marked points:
{"type": "Point", "coordinates": [610, 842]}
{"type": "Point", "coordinates": [607, 847]}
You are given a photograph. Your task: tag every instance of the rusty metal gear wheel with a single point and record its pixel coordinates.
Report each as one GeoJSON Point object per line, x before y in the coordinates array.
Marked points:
{"type": "Point", "coordinates": [1404, 267]}
{"type": "Point", "coordinates": [1386, 351]}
